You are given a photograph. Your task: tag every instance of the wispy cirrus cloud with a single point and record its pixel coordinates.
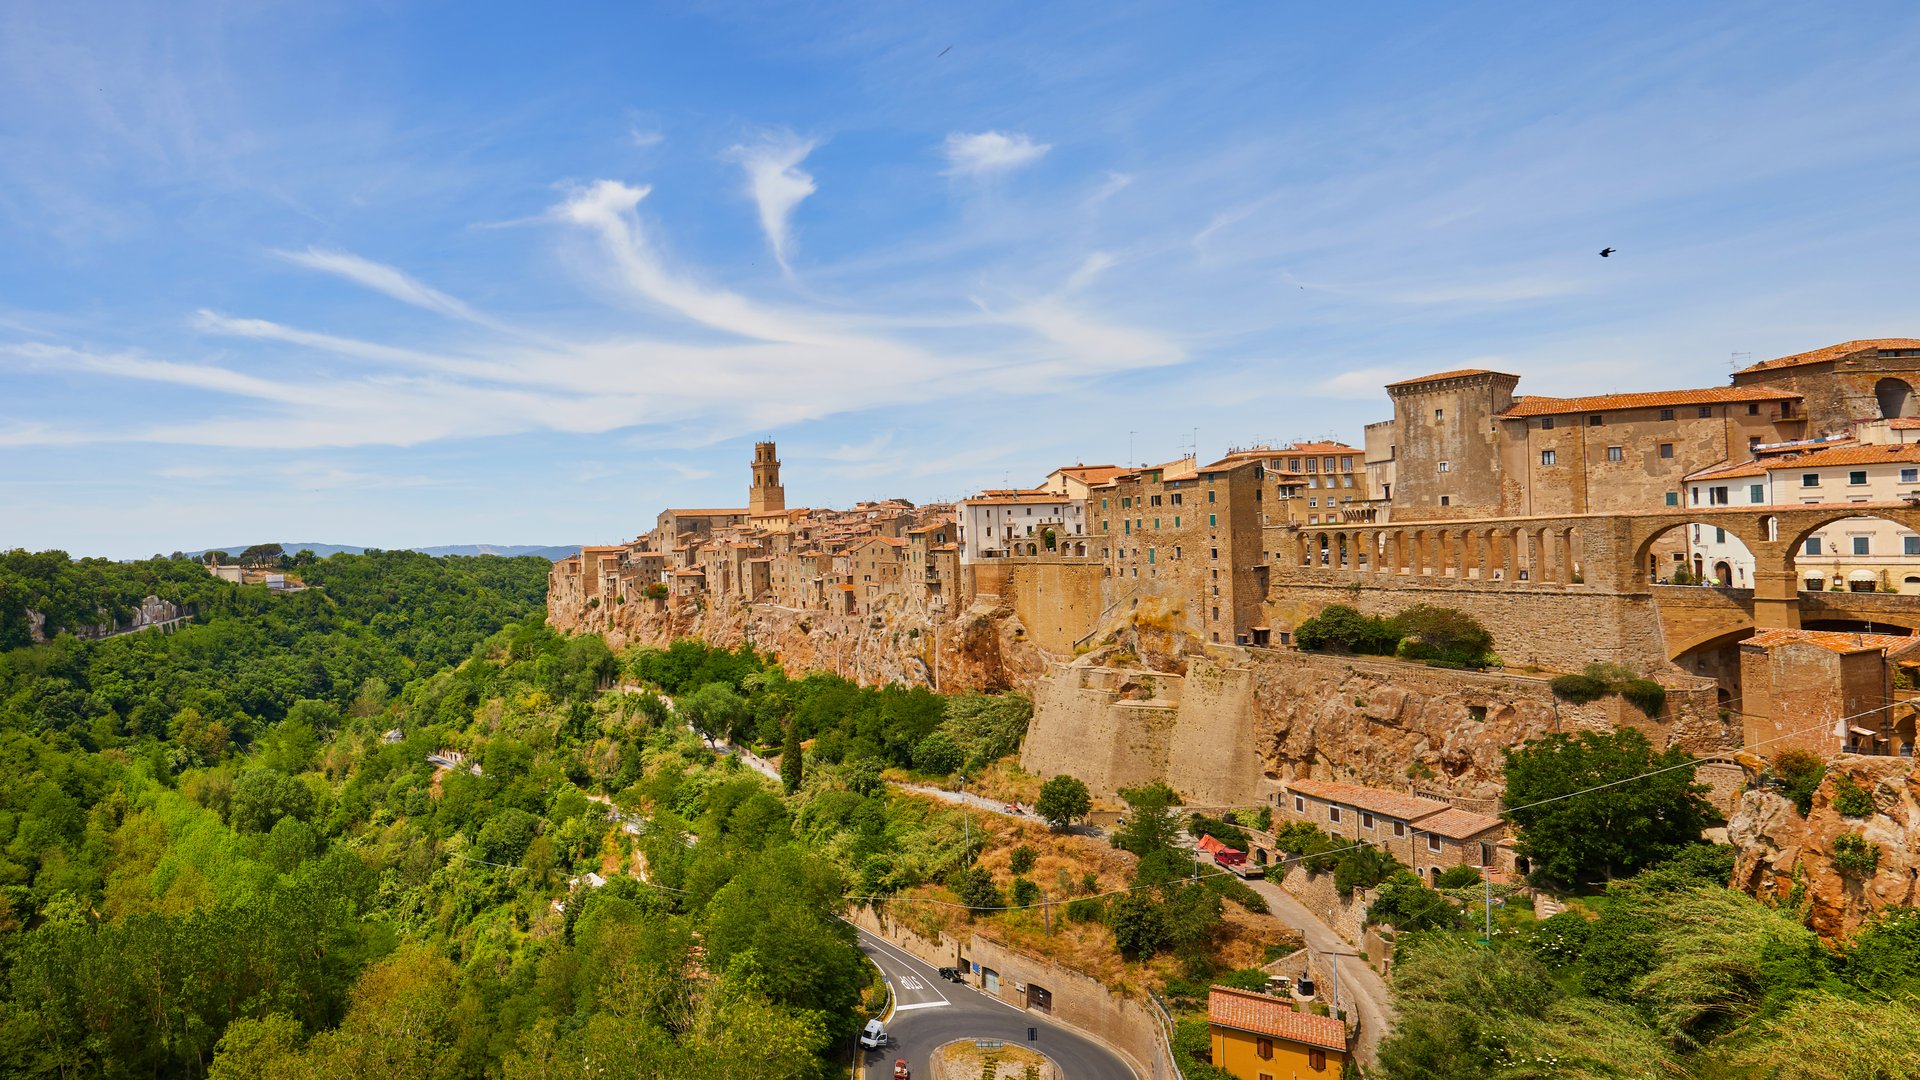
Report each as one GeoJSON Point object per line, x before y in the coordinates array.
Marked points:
{"type": "Point", "coordinates": [714, 360]}
{"type": "Point", "coordinates": [385, 279]}
{"type": "Point", "coordinates": [777, 184]}
{"type": "Point", "coordinates": [989, 152]}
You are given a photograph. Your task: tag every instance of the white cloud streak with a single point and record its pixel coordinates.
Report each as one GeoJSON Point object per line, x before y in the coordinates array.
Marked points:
{"type": "Point", "coordinates": [991, 152]}
{"type": "Point", "coordinates": [384, 279]}
{"type": "Point", "coordinates": [777, 184]}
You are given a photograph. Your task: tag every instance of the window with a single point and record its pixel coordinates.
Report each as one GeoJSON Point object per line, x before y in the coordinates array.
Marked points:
{"type": "Point", "coordinates": [1333, 814]}
{"type": "Point", "coordinates": [1216, 614]}
{"type": "Point", "coordinates": [1174, 498]}
{"type": "Point", "coordinates": [1717, 496]}
{"type": "Point", "coordinates": [1666, 414]}
{"type": "Point", "coordinates": [1444, 467]}
{"type": "Point", "coordinates": [1446, 500]}
{"type": "Point", "coordinates": [1857, 477]}
{"type": "Point", "coordinates": [1753, 443]}
{"type": "Point", "coordinates": [1439, 414]}
{"type": "Point", "coordinates": [1264, 1047]}
{"type": "Point", "coordinates": [1719, 535]}
{"type": "Point", "coordinates": [1547, 457]}
{"type": "Point", "coordinates": [1346, 464]}
{"type": "Point", "coordinates": [1756, 493]}
{"type": "Point", "coordinates": [1176, 521]}
{"type": "Point", "coordinates": [1366, 820]}
{"type": "Point", "coordinates": [1126, 503]}
{"type": "Point", "coordinates": [1156, 523]}
{"type": "Point", "coordinates": [1213, 519]}
{"type": "Point", "coordinates": [1910, 476]}
{"type": "Point", "coordinates": [1209, 494]}
{"type": "Point", "coordinates": [1706, 410]}
{"type": "Point", "coordinates": [1213, 553]}
{"type": "Point", "coordinates": [1811, 479]}
{"type": "Point", "coordinates": [1399, 828]}
{"type": "Point", "coordinates": [1813, 545]}
{"type": "Point", "coordinates": [1313, 503]}
{"type": "Point", "coordinates": [1614, 453]}
{"type": "Point", "coordinates": [1150, 555]}
{"type": "Point", "coordinates": [1673, 498]}
{"type": "Point", "coordinates": [1910, 545]}
{"type": "Point", "coordinates": [1103, 504]}
{"type": "Point", "coordinates": [1753, 408]}
{"type": "Point", "coordinates": [1860, 545]}
{"type": "Point", "coordinates": [1546, 423]}
{"type": "Point", "coordinates": [1317, 1060]}
{"type": "Point", "coordinates": [1126, 526]}
{"type": "Point", "coordinates": [1153, 500]}
{"type": "Point", "coordinates": [1595, 420]}
{"type": "Point", "coordinates": [1433, 842]}
{"type": "Point", "coordinates": [1666, 449]}
{"type": "Point", "coordinates": [1299, 805]}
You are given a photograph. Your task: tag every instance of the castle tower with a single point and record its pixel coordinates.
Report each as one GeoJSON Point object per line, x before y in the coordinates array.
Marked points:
{"type": "Point", "coordinates": [765, 496]}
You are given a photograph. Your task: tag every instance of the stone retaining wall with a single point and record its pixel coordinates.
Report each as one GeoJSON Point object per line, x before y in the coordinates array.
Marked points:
{"type": "Point", "coordinates": [1128, 1025]}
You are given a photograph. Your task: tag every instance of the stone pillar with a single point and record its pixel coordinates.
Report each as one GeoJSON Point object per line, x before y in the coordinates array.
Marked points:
{"type": "Point", "coordinates": [1776, 599]}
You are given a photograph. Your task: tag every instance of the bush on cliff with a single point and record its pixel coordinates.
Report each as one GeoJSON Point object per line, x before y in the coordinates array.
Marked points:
{"type": "Point", "coordinates": [1342, 628]}
{"type": "Point", "coordinates": [1444, 635]}
{"type": "Point", "coordinates": [1800, 773]}
{"type": "Point", "coordinates": [1599, 680]}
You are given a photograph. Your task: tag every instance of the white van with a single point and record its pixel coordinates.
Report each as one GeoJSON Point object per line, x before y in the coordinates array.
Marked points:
{"type": "Point", "coordinates": [875, 1035]}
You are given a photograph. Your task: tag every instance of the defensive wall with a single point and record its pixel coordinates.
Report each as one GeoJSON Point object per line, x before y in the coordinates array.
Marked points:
{"type": "Point", "coordinates": [1056, 597]}
{"type": "Point", "coordinates": [1240, 722]}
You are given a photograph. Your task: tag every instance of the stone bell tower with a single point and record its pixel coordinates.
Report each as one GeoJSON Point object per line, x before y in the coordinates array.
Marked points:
{"type": "Point", "coordinates": [766, 496]}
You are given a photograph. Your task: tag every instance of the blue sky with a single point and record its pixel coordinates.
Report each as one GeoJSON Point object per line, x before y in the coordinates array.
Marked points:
{"type": "Point", "coordinates": [411, 274]}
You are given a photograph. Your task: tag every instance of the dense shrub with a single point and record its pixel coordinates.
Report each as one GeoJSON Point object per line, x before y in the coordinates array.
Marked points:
{"type": "Point", "coordinates": [1224, 831]}
{"type": "Point", "coordinates": [1362, 867]}
{"type": "Point", "coordinates": [1579, 689]}
{"type": "Point", "coordinates": [1599, 680]}
{"type": "Point", "coordinates": [1854, 854]}
{"type": "Point", "coordinates": [1444, 635]}
{"type": "Point", "coordinates": [1850, 799]}
{"type": "Point", "coordinates": [1800, 773]}
{"type": "Point", "coordinates": [1342, 628]}
{"type": "Point", "coordinates": [1087, 909]}
{"type": "Point", "coordinates": [1457, 877]}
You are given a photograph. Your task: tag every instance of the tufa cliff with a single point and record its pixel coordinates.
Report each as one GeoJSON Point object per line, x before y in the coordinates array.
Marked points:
{"type": "Point", "coordinates": [1787, 858]}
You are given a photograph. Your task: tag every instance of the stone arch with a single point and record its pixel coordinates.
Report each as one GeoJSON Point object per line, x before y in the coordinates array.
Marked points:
{"type": "Point", "coordinates": [1707, 540]}
{"type": "Point", "coordinates": [1895, 397]}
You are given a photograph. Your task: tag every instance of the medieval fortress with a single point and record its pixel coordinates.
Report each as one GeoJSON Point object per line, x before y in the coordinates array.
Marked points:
{"type": "Point", "coordinates": [1754, 547]}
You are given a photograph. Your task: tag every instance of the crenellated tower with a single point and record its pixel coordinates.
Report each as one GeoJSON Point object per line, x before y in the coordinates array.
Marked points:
{"type": "Point", "coordinates": [765, 496]}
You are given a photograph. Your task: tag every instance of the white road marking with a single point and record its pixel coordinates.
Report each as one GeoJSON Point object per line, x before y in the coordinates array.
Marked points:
{"type": "Point", "coordinates": [911, 983]}
{"type": "Point", "coordinates": [920, 1005]}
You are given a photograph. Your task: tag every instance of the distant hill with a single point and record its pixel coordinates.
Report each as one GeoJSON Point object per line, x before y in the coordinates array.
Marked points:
{"type": "Point", "coordinates": [552, 553]}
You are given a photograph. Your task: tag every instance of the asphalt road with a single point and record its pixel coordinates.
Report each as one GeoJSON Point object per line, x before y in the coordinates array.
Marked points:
{"type": "Point", "coordinates": [931, 1012]}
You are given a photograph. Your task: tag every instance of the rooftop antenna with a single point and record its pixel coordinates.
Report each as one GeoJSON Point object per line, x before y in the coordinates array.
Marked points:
{"type": "Point", "coordinates": [1130, 436]}
{"type": "Point", "coordinates": [1739, 359]}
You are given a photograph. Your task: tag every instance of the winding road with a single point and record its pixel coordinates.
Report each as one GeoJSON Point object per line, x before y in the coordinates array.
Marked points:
{"type": "Point", "coordinates": [930, 1012]}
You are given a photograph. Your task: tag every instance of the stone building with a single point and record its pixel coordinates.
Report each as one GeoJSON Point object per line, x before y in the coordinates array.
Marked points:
{"type": "Point", "coordinates": [1863, 554]}
{"type": "Point", "coordinates": [999, 524]}
{"type": "Point", "coordinates": [1825, 691]}
{"type": "Point", "coordinates": [765, 495]}
{"type": "Point", "coordinates": [1851, 381]}
{"type": "Point", "coordinates": [1426, 834]}
{"type": "Point", "coordinates": [1191, 534]}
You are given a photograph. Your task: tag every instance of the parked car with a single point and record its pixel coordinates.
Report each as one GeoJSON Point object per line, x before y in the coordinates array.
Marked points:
{"type": "Point", "coordinates": [900, 1070]}
{"type": "Point", "coordinates": [952, 975]}
{"type": "Point", "coordinates": [874, 1036]}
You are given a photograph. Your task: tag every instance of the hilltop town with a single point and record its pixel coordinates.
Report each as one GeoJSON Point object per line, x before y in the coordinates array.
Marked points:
{"type": "Point", "coordinates": [1752, 548]}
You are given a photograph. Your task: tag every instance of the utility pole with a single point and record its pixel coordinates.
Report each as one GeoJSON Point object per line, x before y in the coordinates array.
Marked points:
{"type": "Point", "coordinates": [967, 822]}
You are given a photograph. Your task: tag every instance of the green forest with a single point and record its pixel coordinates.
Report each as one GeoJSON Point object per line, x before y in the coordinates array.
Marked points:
{"type": "Point", "coordinates": [226, 853]}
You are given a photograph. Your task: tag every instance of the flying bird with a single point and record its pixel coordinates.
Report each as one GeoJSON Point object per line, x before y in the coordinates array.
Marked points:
{"type": "Point", "coordinates": [944, 51]}
{"type": "Point", "coordinates": [1606, 252]}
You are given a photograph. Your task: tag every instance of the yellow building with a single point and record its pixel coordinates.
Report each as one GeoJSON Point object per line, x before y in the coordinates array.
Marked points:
{"type": "Point", "coordinates": [1260, 1037]}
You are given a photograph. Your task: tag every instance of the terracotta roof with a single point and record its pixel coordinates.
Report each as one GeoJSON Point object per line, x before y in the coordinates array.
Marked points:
{"type": "Point", "coordinates": [1832, 457]}
{"type": "Point", "coordinates": [1904, 423]}
{"type": "Point", "coordinates": [603, 547]}
{"type": "Point", "coordinates": [742, 511]}
{"type": "Point", "coordinates": [946, 547]}
{"type": "Point", "coordinates": [1839, 641]}
{"type": "Point", "coordinates": [1658, 399]}
{"type": "Point", "coordinates": [1019, 500]}
{"type": "Point", "coordinates": [1391, 803]}
{"type": "Point", "coordinates": [1265, 1015]}
{"type": "Point", "coordinates": [1728, 472]}
{"type": "Point", "coordinates": [1831, 352]}
{"type": "Point", "coordinates": [1318, 448]}
{"type": "Point", "coordinates": [1457, 824]}
{"type": "Point", "coordinates": [1093, 473]}
{"type": "Point", "coordinates": [1437, 376]}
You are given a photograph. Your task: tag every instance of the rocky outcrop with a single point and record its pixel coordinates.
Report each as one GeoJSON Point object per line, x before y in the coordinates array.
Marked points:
{"type": "Point", "coordinates": [982, 646]}
{"type": "Point", "coordinates": [1789, 859]}
{"type": "Point", "coordinates": [152, 613]}
{"type": "Point", "coordinates": [1232, 724]}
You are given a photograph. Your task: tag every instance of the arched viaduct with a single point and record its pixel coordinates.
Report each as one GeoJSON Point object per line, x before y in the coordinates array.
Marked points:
{"type": "Point", "coordinates": [1521, 574]}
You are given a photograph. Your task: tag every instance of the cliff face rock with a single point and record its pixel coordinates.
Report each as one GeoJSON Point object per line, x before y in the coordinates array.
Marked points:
{"type": "Point", "coordinates": [1233, 724]}
{"type": "Point", "coordinates": [980, 647]}
{"type": "Point", "coordinates": [152, 611]}
{"type": "Point", "coordinates": [1783, 857]}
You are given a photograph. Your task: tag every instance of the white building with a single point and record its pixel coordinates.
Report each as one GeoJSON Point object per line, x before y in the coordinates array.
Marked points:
{"type": "Point", "coordinates": [999, 524]}
{"type": "Point", "coordinates": [1864, 554]}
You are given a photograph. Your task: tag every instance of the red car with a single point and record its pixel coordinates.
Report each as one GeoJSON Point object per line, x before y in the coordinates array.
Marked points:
{"type": "Point", "coordinates": [900, 1070]}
